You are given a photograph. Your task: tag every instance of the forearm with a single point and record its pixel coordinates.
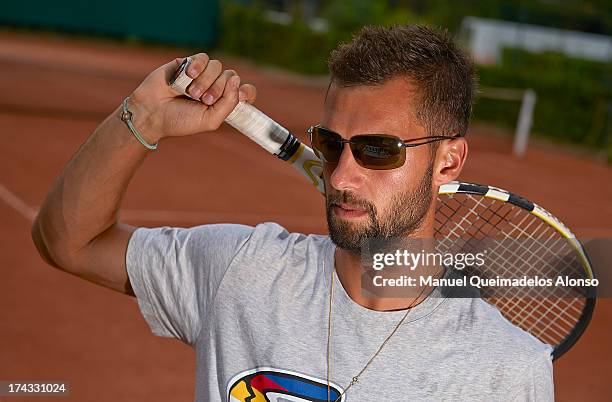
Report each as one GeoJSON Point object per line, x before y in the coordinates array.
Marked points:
{"type": "Point", "coordinates": [84, 200]}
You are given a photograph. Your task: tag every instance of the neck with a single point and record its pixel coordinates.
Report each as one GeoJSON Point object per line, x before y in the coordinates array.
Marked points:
{"type": "Point", "coordinates": [348, 265]}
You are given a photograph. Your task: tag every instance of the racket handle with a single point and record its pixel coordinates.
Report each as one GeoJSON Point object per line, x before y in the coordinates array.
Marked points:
{"type": "Point", "coordinates": [267, 133]}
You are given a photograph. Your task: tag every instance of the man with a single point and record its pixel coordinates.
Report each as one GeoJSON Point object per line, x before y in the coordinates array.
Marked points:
{"type": "Point", "coordinates": [280, 316]}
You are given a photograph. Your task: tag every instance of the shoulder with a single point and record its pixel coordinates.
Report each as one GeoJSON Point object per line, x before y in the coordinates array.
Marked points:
{"type": "Point", "coordinates": [211, 246]}
{"type": "Point", "coordinates": [272, 240]}
{"type": "Point", "coordinates": [216, 233]}
{"type": "Point", "coordinates": [498, 337]}
{"type": "Point", "coordinates": [267, 241]}
{"type": "Point", "coordinates": [484, 328]}
{"type": "Point", "coordinates": [501, 352]}
{"type": "Point", "coordinates": [276, 262]}
{"type": "Point", "coordinates": [489, 321]}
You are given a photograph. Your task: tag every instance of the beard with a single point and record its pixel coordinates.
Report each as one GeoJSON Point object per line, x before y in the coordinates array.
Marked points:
{"type": "Point", "coordinates": [405, 215]}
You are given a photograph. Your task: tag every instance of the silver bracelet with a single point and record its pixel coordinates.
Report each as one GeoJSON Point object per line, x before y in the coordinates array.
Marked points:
{"type": "Point", "coordinates": [126, 116]}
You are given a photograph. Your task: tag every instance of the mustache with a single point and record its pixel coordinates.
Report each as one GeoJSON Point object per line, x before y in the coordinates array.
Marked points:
{"type": "Point", "coordinates": [347, 197]}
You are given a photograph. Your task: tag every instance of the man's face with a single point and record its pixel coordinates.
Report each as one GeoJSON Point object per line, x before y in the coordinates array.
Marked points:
{"type": "Point", "coordinates": [363, 203]}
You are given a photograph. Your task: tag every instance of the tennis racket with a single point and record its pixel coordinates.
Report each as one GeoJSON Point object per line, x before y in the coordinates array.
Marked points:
{"type": "Point", "coordinates": [519, 235]}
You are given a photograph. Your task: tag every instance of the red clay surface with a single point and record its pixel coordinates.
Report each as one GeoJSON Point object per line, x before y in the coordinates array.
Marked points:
{"type": "Point", "coordinates": [57, 327]}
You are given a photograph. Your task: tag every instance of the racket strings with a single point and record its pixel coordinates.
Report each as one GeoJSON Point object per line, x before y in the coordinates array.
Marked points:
{"type": "Point", "coordinates": [517, 242]}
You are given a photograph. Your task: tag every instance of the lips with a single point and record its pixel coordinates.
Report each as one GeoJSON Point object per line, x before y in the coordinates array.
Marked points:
{"type": "Point", "coordinates": [349, 207]}
{"type": "Point", "coordinates": [348, 211]}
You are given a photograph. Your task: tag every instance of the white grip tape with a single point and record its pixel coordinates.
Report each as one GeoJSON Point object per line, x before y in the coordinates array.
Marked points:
{"type": "Point", "coordinates": [245, 118]}
{"type": "Point", "coordinates": [182, 80]}
{"type": "Point", "coordinates": [253, 123]}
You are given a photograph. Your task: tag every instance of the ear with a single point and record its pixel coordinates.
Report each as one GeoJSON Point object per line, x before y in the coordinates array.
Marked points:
{"type": "Point", "coordinates": [449, 161]}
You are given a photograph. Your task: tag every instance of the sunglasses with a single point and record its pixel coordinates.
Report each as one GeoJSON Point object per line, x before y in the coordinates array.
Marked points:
{"type": "Point", "coordinates": [371, 151]}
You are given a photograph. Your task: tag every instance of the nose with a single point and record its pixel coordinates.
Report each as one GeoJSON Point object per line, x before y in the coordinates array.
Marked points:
{"type": "Point", "coordinates": [347, 174]}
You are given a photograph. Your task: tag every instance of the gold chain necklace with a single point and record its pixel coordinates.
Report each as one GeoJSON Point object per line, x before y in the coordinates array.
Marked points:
{"type": "Point", "coordinates": [355, 379]}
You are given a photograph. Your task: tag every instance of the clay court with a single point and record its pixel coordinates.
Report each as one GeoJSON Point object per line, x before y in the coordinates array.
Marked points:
{"type": "Point", "coordinates": [55, 91]}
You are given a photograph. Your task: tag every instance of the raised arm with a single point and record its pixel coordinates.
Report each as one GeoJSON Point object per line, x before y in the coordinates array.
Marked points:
{"type": "Point", "coordinates": [77, 229]}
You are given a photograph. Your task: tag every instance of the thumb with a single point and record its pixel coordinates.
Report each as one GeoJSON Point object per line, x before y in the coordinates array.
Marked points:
{"type": "Point", "coordinates": [156, 85]}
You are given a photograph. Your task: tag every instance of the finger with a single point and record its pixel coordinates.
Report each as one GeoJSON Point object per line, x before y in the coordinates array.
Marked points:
{"type": "Point", "coordinates": [216, 89]}
{"type": "Point", "coordinates": [198, 64]}
{"type": "Point", "coordinates": [247, 92]}
{"type": "Point", "coordinates": [205, 79]}
{"type": "Point", "coordinates": [226, 103]}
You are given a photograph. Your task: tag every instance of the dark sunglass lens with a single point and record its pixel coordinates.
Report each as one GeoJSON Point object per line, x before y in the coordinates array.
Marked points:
{"type": "Point", "coordinates": [378, 152]}
{"type": "Point", "coordinates": [326, 144]}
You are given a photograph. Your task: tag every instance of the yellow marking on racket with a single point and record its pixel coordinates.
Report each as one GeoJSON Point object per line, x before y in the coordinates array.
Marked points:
{"type": "Point", "coordinates": [308, 165]}
{"type": "Point", "coordinates": [569, 236]}
{"type": "Point", "coordinates": [497, 195]}
{"type": "Point", "coordinates": [296, 154]}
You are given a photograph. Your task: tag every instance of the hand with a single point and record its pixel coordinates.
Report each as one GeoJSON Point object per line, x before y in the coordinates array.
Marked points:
{"type": "Point", "coordinates": [159, 111]}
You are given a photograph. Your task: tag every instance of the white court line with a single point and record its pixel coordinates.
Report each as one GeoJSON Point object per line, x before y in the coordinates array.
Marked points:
{"type": "Point", "coordinates": [28, 212]}
{"type": "Point", "coordinates": [17, 203]}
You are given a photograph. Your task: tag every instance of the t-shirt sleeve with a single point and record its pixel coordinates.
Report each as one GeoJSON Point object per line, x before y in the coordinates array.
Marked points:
{"type": "Point", "coordinates": [537, 383]}
{"type": "Point", "coordinates": [175, 274]}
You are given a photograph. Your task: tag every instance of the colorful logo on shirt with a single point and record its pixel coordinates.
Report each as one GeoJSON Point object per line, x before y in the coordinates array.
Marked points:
{"type": "Point", "coordinates": [275, 385]}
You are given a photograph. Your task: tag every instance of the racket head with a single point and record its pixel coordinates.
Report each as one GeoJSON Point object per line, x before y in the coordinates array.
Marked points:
{"type": "Point", "coordinates": [467, 211]}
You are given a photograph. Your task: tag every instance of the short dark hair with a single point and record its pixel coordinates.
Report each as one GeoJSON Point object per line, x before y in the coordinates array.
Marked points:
{"type": "Point", "coordinates": [443, 73]}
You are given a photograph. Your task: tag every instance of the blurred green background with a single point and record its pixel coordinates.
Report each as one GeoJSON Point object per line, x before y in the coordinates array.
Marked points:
{"type": "Point", "coordinates": [574, 93]}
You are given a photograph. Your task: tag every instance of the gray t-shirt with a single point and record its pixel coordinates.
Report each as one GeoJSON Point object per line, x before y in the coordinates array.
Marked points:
{"type": "Point", "coordinates": [253, 302]}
